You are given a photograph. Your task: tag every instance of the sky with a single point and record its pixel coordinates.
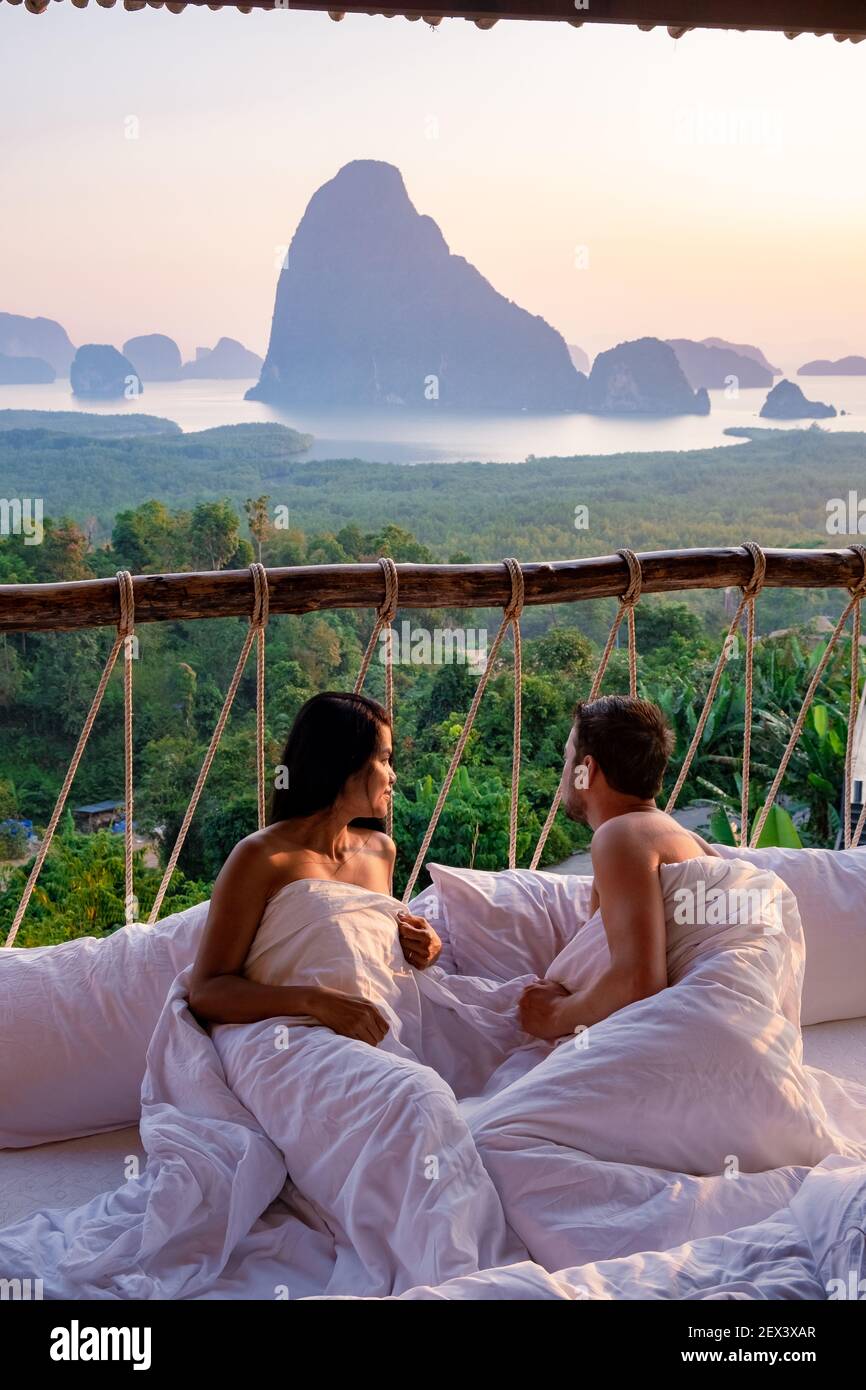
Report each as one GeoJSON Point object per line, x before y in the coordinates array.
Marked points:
{"type": "Point", "coordinates": [154, 167]}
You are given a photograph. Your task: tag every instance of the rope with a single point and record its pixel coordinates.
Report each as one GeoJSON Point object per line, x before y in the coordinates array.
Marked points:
{"type": "Point", "coordinates": [127, 626]}
{"type": "Point", "coordinates": [749, 594]}
{"type": "Point", "coordinates": [513, 611]}
{"type": "Point", "coordinates": [384, 618]}
{"type": "Point", "coordinates": [853, 702]}
{"type": "Point", "coordinates": [627, 602]}
{"type": "Point", "coordinates": [261, 611]}
{"type": "Point", "coordinates": [125, 599]}
{"type": "Point", "coordinates": [857, 593]}
{"type": "Point", "coordinates": [511, 614]}
{"type": "Point", "coordinates": [257, 621]}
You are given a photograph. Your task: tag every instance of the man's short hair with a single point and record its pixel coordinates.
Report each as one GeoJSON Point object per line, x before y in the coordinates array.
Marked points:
{"type": "Point", "coordinates": [630, 740]}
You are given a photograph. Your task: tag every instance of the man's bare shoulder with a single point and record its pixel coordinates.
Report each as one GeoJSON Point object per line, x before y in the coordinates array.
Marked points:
{"type": "Point", "coordinates": [648, 836]}
{"type": "Point", "coordinates": [626, 836]}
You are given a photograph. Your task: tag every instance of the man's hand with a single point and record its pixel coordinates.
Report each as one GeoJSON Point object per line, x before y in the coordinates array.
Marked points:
{"type": "Point", "coordinates": [421, 946]}
{"type": "Point", "coordinates": [348, 1014]}
{"type": "Point", "coordinates": [540, 1010]}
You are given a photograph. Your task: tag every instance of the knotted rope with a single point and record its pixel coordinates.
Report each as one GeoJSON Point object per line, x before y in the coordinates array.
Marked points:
{"type": "Point", "coordinates": [627, 603]}
{"type": "Point", "coordinates": [385, 615]}
{"type": "Point", "coordinates": [858, 592]}
{"type": "Point", "coordinates": [124, 633]}
{"type": "Point", "coordinates": [126, 629]}
{"type": "Point", "coordinates": [513, 612]}
{"type": "Point", "coordinates": [510, 619]}
{"type": "Point", "coordinates": [749, 593]}
{"type": "Point", "coordinates": [258, 619]}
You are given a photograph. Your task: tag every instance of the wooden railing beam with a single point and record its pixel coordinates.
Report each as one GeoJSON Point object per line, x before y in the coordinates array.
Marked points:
{"type": "Point", "coordinates": [304, 588]}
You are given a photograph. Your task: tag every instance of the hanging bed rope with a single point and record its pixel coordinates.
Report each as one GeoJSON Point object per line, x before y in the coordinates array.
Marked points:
{"type": "Point", "coordinates": [511, 619]}
{"type": "Point", "coordinates": [124, 639]}
{"type": "Point", "coordinates": [256, 633]}
{"type": "Point", "coordinates": [749, 594]}
{"type": "Point", "coordinates": [627, 603]}
{"type": "Point", "coordinates": [858, 592]}
{"type": "Point", "coordinates": [385, 615]}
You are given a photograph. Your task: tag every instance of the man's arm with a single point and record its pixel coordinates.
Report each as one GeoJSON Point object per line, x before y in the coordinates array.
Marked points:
{"type": "Point", "coordinates": [632, 909]}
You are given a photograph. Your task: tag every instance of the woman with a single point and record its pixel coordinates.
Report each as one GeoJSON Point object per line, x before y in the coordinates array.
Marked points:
{"type": "Point", "coordinates": [325, 824]}
{"type": "Point", "coordinates": [303, 930]}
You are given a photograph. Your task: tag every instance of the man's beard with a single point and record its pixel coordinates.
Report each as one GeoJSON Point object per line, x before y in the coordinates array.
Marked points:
{"type": "Point", "coordinates": [575, 807]}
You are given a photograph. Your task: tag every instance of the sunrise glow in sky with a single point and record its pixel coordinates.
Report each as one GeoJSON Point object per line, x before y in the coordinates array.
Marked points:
{"type": "Point", "coordinates": [616, 182]}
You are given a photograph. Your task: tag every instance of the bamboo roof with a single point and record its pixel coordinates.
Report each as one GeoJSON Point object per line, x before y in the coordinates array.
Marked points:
{"type": "Point", "coordinates": [845, 20]}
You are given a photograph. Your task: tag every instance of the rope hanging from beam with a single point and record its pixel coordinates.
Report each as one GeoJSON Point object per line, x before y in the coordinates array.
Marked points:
{"type": "Point", "coordinates": [385, 615]}
{"type": "Point", "coordinates": [627, 603]}
{"type": "Point", "coordinates": [123, 639]}
{"type": "Point", "coordinates": [857, 592]}
{"type": "Point", "coordinates": [258, 620]}
{"type": "Point", "coordinates": [750, 592]}
{"type": "Point", "coordinates": [510, 618]}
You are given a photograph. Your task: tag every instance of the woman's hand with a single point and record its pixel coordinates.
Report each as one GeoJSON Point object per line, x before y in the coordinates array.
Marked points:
{"type": "Point", "coordinates": [421, 946]}
{"type": "Point", "coordinates": [348, 1014]}
{"type": "Point", "coordinates": [540, 1010]}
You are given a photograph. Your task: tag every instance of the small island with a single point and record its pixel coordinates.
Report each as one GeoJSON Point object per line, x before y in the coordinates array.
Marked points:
{"type": "Point", "coordinates": [100, 372]}
{"type": "Point", "coordinates": [787, 402]}
{"type": "Point", "coordinates": [846, 366]}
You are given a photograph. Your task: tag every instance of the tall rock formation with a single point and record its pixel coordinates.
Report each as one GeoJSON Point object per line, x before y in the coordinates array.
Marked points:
{"type": "Point", "coordinates": [372, 308]}
{"type": "Point", "coordinates": [705, 365]}
{"type": "Point", "coordinates": [43, 338]}
{"type": "Point", "coordinates": [154, 356]}
{"type": "Point", "coordinates": [642, 378]}
{"type": "Point", "coordinates": [744, 350]}
{"type": "Point", "coordinates": [100, 372]}
{"type": "Point", "coordinates": [228, 361]}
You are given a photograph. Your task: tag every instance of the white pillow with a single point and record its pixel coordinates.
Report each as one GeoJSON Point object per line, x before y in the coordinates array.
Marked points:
{"type": "Point", "coordinates": [75, 1022]}
{"type": "Point", "coordinates": [510, 923]}
{"type": "Point", "coordinates": [830, 888]}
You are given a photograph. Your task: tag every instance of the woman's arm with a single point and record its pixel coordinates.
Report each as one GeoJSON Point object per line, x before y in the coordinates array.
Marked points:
{"type": "Point", "coordinates": [219, 992]}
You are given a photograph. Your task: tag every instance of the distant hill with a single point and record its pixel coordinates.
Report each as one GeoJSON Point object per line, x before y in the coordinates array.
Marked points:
{"type": "Point", "coordinates": [579, 358]}
{"type": "Point", "coordinates": [90, 426]}
{"type": "Point", "coordinates": [845, 366]}
{"type": "Point", "coordinates": [228, 361]}
{"type": "Point", "coordinates": [43, 338]}
{"type": "Point", "coordinates": [708, 365]}
{"type": "Point", "coordinates": [154, 356]}
{"type": "Point", "coordinates": [25, 371]}
{"type": "Point", "coordinates": [373, 308]}
{"type": "Point", "coordinates": [101, 472]}
{"type": "Point", "coordinates": [744, 350]}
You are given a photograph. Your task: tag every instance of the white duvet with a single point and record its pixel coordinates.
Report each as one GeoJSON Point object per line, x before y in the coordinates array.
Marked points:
{"type": "Point", "coordinates": [679, 1149]}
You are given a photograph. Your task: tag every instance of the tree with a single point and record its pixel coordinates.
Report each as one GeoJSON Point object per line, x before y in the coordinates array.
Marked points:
{"type": "Point", "coordinates": [214, 534]}
{"type": "Point", "coordinates": [259, 521]}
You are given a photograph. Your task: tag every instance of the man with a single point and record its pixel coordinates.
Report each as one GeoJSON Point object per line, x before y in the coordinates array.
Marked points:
{"type": "Point", "coordinates": [615, 759]}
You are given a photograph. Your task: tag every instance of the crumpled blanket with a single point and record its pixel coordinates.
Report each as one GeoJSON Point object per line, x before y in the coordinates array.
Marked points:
{"type": "Point", "coordinates": [680, 1149]}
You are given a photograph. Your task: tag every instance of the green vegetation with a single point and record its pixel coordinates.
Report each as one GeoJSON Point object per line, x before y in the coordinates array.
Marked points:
{"type": "Point", "coordinates": [85, 424]}
{"type": "Point", "coordinates": [773, 489]}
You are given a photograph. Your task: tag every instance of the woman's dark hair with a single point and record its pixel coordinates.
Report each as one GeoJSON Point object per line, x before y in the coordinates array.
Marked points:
{"type": "Point", "coordinates": [334, 735]}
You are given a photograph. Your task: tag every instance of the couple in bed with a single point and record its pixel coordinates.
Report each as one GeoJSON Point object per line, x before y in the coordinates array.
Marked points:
{"type": "Point", "coordinates": [436, 1123]}
{"type": "Point", "coordinates": [323, 826]}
